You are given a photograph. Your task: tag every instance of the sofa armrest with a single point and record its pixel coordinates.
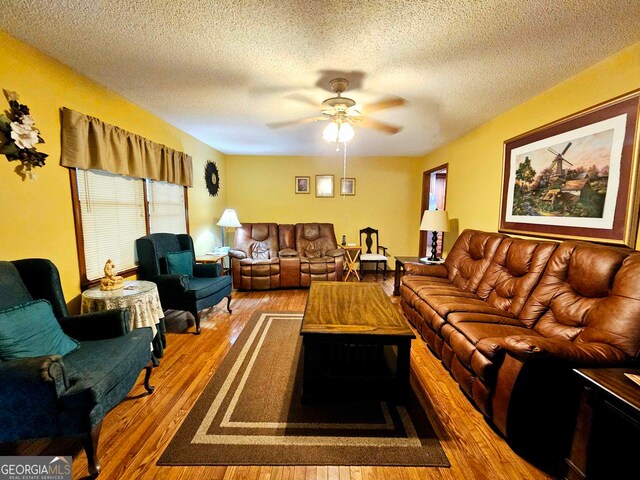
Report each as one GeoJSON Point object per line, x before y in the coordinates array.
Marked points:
{"type": "Point", "coordinates": [237, 254]}
{"type": "Point", "coordinates": [525, 347]}
{"type": "Point", "coordinates": [97, 325]}
{"type": "Point", "coordinates": [42, 375]}
{"type": "Point", "coordinates": [334, 252]}
{"type": "Point", "coordinates": [288, 253]}
{"type": "Point", "coordinates": [426, 270]}
{"type": "Point", "coordinates": [171, 288]}
{"type": "Point", "coordinates": [30, 390]}
{"type": "Point", "coordinates": [207, 270]}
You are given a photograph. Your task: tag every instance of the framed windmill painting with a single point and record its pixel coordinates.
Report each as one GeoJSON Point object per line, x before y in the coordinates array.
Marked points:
{"type": "Point", "coordinates": [576, 177]}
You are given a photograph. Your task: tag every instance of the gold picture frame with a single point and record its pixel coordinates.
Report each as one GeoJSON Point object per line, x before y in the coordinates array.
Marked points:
{"type": "Point", "coordinates": [324, 186]}
{"type": "Point", "coordinates": [576, 177]}
{"type": "Point", "coordinates": [347, 186]}
{"type": "Point", "coordinates": [302, 185]}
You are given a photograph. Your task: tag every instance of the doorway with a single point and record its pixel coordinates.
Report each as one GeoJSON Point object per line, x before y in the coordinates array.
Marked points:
{"type": "Point", "coordinates": [434, 192]}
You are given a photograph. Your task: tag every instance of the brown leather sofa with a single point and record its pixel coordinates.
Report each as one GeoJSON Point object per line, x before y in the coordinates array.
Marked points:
{"type": "Point", "coordinates": [267, 255]}
{"type": "Point", "coordinates": [510, 318]}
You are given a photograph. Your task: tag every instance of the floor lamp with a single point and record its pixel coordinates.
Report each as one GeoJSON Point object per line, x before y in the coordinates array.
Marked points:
{"type": "Point", "coordinates": [229, 219]}
{"type": "Point", "coordinates": [434, 221]}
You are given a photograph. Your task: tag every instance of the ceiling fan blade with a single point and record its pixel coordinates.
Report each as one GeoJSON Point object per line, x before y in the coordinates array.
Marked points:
{"type": "Point", "coordinates": [296, 122]}
{"type": "Point", "coordinates": [303, 98]}
{"type": "Point", "coordinates": [376, 125]}
{"type": "Point", "coordinates": [382, 104]}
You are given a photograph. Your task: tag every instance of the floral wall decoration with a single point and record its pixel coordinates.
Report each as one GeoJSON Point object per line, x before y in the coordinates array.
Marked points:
{"type": "Point", "coordinates": [18, 137]}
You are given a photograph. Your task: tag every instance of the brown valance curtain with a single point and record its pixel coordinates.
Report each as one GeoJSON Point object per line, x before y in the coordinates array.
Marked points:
{"type": "Point", "coordinates": [89, 143]}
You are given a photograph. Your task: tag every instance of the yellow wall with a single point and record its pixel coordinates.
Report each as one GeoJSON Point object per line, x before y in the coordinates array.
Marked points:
{"type": "Point", "coordinates": [261, 189]}
{"type": "Point", "coordinates": [475, 160]}
{"type": "Point", "coordinates": [36, 216]}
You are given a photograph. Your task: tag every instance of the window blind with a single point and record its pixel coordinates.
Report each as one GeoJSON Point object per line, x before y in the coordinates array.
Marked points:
{"type": "Point", "coordinates": [113, 217]}
{"type": "Point", "coordinates": [167, 211]}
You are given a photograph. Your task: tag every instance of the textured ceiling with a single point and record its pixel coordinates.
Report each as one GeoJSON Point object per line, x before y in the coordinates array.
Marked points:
{"type": "Point", "coordinates": [222, 69]}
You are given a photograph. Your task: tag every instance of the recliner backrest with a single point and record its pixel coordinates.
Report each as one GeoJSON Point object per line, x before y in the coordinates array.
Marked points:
{"type": "Point", "coordinates": [314, 237]}
{"type": "Point", "coordinates": [513, 272]}
{"type": "Point", "coordinates": [470, 257]}
{"type": "Point", "coordinates": [257, 240]}
{"type": "Point", "coordinates": [588, 293]}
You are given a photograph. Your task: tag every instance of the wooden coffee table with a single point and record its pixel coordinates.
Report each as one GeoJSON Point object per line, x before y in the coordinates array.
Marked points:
{"type": "Point", "coordinates": [348, 332]}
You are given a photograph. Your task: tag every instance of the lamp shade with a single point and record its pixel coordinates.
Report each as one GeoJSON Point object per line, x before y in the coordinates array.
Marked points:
{"type": "Point", "coordinates": [229, 219]}
{"type": "Point", "coordinates": [339, 132]}
{"type": "Point", "coordinates": [435, 221]}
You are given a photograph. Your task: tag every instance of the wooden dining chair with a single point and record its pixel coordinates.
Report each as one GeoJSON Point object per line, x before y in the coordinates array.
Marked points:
{"type": "Point", "coordinates": [371, 254]}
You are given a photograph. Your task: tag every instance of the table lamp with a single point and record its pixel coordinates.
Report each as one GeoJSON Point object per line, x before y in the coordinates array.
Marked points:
{"type": "Point", "coordinates": [228, 219]}
{"type": "Point", "coordinates": [435, 221]}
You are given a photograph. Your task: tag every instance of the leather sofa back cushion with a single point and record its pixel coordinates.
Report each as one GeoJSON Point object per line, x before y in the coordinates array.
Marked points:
{"type": "Point", "coordinates": [257, 240]}
{"type": "Point", "coordinates": [587, 293]}
{"type": "Point", "coordinates": [315, 236]}
{"type": "Point", "coordinates": [514, 271]}
{"type": "Point", "coordinates": [287, 236]}
{"type": "Point", "coordinates": [470, 256]}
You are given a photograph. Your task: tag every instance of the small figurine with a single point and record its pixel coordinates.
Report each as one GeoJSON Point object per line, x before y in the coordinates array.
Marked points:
{"type": "Point", "coordinates": [111, 281]}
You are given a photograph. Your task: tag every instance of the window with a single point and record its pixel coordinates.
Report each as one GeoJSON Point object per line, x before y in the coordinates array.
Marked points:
{"type": "Point", "coordinates": [112, 211]}
{"type": "Point", "coordinates": [166, 207]}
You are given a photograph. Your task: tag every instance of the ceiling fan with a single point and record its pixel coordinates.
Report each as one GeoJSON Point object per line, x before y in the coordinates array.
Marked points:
{"type": "Point", "coordinates": [344, 112]}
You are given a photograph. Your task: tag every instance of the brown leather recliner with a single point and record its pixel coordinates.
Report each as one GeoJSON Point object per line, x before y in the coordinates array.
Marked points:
{"type": "Point", "coordinates": [320, 257]}
{"type": "Point", "coordinates": [255, 264]}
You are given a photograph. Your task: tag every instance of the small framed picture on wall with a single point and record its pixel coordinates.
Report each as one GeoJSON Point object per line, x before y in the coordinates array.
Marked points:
{"type": "Point", "coordinates": [348, 186]}
{"type": "Point", "coordinates": [302, 184]}
{"type": "Point", "coordinates": [324, 185]}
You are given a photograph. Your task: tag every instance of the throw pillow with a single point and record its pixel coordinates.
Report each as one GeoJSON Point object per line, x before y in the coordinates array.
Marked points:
{"type": "Point", "coordinates": [180, 263]}
{"type": "Point", "coordinates": [31, 330]}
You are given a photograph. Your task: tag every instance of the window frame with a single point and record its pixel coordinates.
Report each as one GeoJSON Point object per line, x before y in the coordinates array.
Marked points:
{"type": "Point", "coordinates": [77, 221]}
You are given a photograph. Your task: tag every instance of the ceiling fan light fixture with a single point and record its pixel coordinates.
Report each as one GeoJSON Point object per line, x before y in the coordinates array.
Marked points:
{"type": "Point", "coordinates": [338, 132]}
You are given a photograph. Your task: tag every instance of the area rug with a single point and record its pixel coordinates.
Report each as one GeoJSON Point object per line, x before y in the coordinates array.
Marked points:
{"type": "Point", "coordinates": [250, 413]}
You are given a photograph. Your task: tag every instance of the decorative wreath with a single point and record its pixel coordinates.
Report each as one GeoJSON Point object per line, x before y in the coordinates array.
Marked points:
{"type": "Point", "coordinates": [18, 136]}
{"type": "Point", "coordinates": [212, 178]}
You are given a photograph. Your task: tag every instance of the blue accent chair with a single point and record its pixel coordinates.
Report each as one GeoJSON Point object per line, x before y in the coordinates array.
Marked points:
{"type": "Point", "coordinates": [206, 288]}
{"type": "Point", "coordinates": [57, 396]}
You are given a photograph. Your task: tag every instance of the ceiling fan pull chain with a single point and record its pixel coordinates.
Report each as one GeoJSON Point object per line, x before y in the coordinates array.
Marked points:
{"type": "Point", "coordinates": [344, 168]}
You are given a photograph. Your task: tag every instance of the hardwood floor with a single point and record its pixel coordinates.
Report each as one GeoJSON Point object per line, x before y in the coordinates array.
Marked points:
{"type": "Point", "coordinates": [137, 431]}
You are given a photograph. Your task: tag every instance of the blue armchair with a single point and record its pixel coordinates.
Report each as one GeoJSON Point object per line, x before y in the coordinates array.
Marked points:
{"type": "Point", "coordinates": [55, 396]}
{"type": "Point", "coordinates": [205, 288]}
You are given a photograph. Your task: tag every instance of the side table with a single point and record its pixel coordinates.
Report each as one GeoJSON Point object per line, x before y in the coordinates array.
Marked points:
{"type": "Point", "coordinates": [213, 258]}
{"type": "Point", "coordinates": [140, 298]}
{"type": "Point", "coordinates": [607, 435]}
{"type": "Point", "coordinates": [351, 256]}
{"type": "Point", "coordinates": [400, 261]}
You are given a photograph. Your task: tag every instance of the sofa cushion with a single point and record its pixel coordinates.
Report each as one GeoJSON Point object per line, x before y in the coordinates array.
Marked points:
{"type": "Point", "coordinates": [179, 263]}
{"type": "Point", "coordinates": [203, 287]}
{"type": "Point", "coordinates": [446, 304]}
{"type": "Point", "coordinates": [31, 330]}
{"type": "Point", "coordinates": [103, 371]}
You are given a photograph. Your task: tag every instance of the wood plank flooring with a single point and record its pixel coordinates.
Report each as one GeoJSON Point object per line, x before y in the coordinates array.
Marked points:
{"type": "Point", "coordinates": [138, 430]}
